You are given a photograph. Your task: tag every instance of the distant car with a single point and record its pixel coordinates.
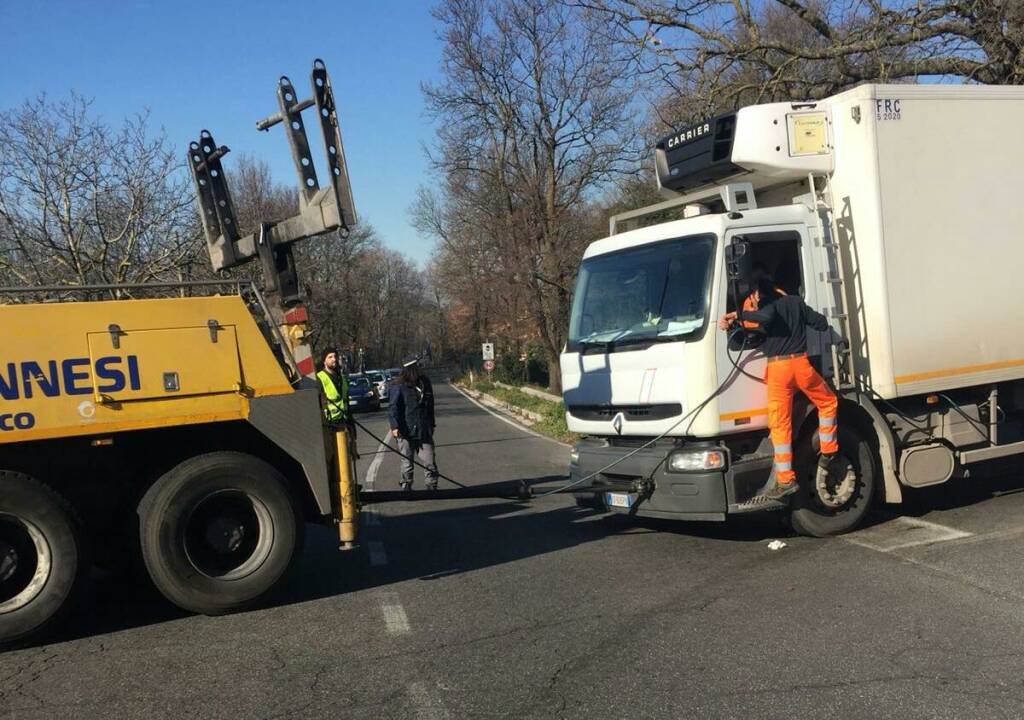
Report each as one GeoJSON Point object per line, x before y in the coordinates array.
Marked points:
{"type": "Point", "coordinates": [362, 395]}
{"type": "Point", "coordinates": [381, 381]}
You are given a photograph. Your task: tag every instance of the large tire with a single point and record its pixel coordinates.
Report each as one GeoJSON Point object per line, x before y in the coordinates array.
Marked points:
{"type": "Point", "coordinates": [218, 532]}
{"type": "Point", "coordinates": [834, 508]}
{"type": "Point", "coordinates": [42, 558]}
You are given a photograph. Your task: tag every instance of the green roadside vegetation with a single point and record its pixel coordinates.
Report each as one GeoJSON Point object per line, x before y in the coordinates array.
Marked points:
{"type": "Point", "coordinates": [552, 422]}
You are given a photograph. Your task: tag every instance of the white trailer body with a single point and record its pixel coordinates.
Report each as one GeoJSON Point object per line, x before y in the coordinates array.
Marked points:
{"type": "Point", "coordinates": [898, 203]}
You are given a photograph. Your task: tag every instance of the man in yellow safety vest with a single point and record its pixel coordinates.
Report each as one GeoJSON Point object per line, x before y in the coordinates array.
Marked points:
{"type": "Point", "coordinates": [333, 389]}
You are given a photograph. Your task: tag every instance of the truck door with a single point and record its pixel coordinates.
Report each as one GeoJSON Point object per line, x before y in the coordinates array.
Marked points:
{"type": "Point", "coordinates": [783, 253]}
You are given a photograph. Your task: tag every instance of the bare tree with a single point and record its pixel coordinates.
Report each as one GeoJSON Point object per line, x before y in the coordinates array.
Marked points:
{"type": "Point", "coordinates": [256, 197]}
{"type": "Point", "coordinates": [83, 203]}
{"type": "Point", "coordinates": [722, 54]}
{"type": "Point", "coordinates": [535, 118]}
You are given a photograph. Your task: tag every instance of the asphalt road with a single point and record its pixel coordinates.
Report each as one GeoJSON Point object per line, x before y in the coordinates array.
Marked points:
{"type": "Point", "coordinates": [492, 608]}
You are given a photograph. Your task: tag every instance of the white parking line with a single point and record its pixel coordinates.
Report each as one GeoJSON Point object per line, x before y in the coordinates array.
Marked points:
{"type": "Point", "coordinates": [428, 707]}
{"type": "Point", "coordinates": [395, 619]}
{"type": "Point", "coordinates": [378, 557]}
{"type": "Point", "coordinates": [904, 532]}
{"type": "Point", "coordinates": [371, 472]}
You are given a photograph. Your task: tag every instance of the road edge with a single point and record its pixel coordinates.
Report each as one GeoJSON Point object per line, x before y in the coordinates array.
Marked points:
{"type": "Point", "coordinates": [507, 418]}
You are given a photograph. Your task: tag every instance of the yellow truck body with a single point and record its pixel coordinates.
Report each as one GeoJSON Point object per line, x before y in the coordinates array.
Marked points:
{"type": "Point", "coordinates": [166, 426]}
{"type": "Point", "coordinates": [83, 368]}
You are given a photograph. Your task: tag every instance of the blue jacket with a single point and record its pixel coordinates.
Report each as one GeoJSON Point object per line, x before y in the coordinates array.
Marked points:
{"type": "Point", "coordinates": [411, 410]}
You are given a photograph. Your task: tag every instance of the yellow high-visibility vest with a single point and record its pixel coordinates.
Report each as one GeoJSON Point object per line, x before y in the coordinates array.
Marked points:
{"type": "Point", "coordinates": [337, 398]}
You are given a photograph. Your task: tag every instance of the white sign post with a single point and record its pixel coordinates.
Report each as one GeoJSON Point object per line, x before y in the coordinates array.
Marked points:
{"type": "Point", "coordinates": [488, 349]}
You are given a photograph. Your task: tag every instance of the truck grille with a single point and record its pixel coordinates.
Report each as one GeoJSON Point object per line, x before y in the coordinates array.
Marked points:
{"type": "Point", "coordinates": [631, 412]}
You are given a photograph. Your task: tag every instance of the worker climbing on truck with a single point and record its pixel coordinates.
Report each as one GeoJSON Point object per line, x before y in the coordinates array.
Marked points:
{"type": "Point", "coordinates": [784, 319]}
{"type": "Point", "coordinates": [752, 302]}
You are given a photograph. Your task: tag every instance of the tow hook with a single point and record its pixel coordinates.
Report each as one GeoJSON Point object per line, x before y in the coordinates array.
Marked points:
{"type": "Point", "coordinates": [643, 487]}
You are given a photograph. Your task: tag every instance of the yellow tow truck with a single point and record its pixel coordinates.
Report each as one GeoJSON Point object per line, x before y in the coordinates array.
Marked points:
{"type": "Point", "coordinates": [187, 429]}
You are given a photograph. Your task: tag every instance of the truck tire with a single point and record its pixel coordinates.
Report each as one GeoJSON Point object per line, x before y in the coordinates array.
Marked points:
{"type": "Point", "coordinates": [218, 532]}
{"type": "Point", "coordinates": [844, 500]}
{"type": "Point", "coordinates": [42, 558]}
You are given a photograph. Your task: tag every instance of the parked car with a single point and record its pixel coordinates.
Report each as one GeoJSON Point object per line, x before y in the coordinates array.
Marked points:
{"type": "Point", "coordinates": [362, 395]}
{"type": "Point", "coordinates": [381, 381]}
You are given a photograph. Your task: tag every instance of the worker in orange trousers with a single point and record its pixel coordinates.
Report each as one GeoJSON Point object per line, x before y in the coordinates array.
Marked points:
{"type": "Point", "coordinates": [785, 319]}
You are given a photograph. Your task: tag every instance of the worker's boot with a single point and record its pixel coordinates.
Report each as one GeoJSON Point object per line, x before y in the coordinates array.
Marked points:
{"type": "Point", "coordinates": [776, 490]}
{"type": "Point", "coordinates": [405, 485]}
{"type": "Point", "coordinates": [825, 461]}
{"type": "Point", "coordinates": [432, 485]}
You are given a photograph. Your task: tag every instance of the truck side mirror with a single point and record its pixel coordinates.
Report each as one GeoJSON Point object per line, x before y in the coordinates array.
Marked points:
{"type": "Point", "coordinates": [738, 267]}
{"type": "Point", "coordinates": [737, 260]}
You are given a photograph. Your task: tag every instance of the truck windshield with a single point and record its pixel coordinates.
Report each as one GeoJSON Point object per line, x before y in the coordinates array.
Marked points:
{"type": "Point", "coordinates": [650, 293]}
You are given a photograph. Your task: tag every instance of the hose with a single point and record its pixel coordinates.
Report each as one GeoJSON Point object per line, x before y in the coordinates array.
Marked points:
{"type": "Point", "coordinates": [575, 483]}
{"type": "Point", "coordinates": [411, 459]}
{"type": "Point", "coordinates": [693, 413]}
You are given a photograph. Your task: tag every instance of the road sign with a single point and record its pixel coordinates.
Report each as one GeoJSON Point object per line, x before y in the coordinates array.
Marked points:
{"type": "Point", "coordinates": [488, 365]}
{"type": "Point", "coordinates": [488, 351]}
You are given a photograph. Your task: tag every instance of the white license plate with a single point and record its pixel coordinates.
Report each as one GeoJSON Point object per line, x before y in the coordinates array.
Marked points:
{"type": "Point", "coordinates": [622, 500]}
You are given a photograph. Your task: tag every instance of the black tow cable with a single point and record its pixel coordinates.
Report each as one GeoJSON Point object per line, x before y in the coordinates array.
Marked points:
{"type": "Point", "coordinates": [523, 490]}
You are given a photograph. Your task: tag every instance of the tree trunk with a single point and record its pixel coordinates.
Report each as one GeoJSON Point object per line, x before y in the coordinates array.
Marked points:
{"type": "Point", "coordinates": [554, 370]}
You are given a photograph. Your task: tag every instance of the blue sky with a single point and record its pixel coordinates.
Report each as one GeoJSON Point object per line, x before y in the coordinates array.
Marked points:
{"type": "Point", "coordinates": [215, 65]}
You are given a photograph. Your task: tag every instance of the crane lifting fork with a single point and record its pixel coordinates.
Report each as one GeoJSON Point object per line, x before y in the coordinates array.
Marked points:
{"type": "Point", "coordinates": [321, 209]}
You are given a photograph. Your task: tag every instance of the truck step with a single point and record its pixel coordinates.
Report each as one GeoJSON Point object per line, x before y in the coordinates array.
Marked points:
{"type": "Point", "coordinates": [757, 504]}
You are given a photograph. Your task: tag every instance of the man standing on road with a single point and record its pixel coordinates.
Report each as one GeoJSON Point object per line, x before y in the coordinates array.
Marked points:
{"type": "Point", "coordinates": [334, 394]}
{"type": "Point", "coordinates": [411, 417]}
{"type": "Point", "coordinates": [333, 389]}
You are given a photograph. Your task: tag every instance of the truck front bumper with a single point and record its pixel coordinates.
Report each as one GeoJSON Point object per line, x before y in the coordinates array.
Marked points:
{"type": "Point", "coordinates": [642, 485]}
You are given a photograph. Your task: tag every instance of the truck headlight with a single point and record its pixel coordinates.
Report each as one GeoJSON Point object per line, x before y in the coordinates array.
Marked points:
{"type": "Point", "coordinates": [692, 460]}
{"type": "Point", "coordinates": [574, 457]}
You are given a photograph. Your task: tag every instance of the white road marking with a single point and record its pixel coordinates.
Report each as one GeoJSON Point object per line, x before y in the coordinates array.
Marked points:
{"type": "Point", "coordinates": [904, 532]}
{"type": "Point", "coordinates": [395, 619]}
{"type": "Point", "coordinates": [428, 707]}
{"type": "Point", "coordinates": [378, 557]}
{"type": "Point", "coordinates": [370, 518]}
{"type": "Point", "coordinates": [371, 472]}
{"type": "Point", "coordinates": [504, 419]}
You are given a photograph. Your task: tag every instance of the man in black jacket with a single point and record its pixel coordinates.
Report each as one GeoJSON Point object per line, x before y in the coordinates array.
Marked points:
{"type": "Point", "coordinates": [411, 417]}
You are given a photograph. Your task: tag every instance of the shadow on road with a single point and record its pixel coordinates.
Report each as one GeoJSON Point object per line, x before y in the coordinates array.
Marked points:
{"type": "Point", "coordinates": [987, 481]}
{"type": "Point", "coordinates": [427, 542]}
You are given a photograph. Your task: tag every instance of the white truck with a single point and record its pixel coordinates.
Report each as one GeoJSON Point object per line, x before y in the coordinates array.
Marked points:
{"type": "Point", "coordinates": [894, 210]}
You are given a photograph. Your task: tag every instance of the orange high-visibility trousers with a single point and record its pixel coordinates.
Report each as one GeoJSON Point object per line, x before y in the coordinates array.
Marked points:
{"type": "Point", "coordinates": [784, 375]}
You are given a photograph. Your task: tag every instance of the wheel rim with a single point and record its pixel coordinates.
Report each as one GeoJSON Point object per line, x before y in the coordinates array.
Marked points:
{"type": "Point", "coordinates": [228, 535]}
{"type": "Point", "coordinates": [836, 487]}
{"type": "Point", "coordinates": [26, 562]}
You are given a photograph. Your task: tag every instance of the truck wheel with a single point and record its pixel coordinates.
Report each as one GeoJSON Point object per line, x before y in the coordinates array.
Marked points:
{"type": "Point", "coordinates": [218, 532]}
{"type": "Point", "coordinates": [42, 562]}
{"type": "Point", "coordinates": [838, 502]}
